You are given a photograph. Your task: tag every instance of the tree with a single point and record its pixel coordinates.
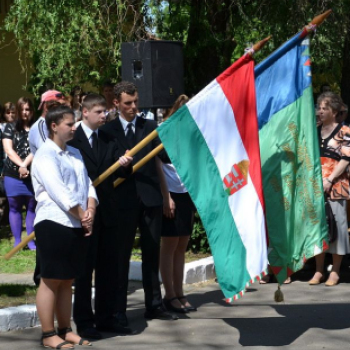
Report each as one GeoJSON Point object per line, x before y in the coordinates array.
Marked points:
{"type": "Point", "coordinates": [78, 41]}
{"type": "Point", "coordinates": [69, 42]}
{"type": "Point", "coordinates": [216, 33]}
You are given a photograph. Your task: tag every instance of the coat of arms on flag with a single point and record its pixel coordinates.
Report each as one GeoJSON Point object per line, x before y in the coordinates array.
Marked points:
{"type": "Point", "coordinates": [237, 178]}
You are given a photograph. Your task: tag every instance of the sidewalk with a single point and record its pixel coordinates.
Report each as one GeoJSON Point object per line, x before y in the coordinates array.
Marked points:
{"type": "Point", "coordinates": [312, 317]}
{"type": "Point", "coordinates": [25, 316]}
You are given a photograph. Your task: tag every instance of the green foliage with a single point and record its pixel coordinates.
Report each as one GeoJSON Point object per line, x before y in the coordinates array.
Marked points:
{"type": "Point", "coordinates": [216, 33]}
{"type": "Point", "coordinates": [69, 42]}
{"type": "Point", "coordinates": [198, 240]}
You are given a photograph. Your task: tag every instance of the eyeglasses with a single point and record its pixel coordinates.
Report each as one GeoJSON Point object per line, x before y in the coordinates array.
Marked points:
{"type": "Point", "coordinates": [59, 95]}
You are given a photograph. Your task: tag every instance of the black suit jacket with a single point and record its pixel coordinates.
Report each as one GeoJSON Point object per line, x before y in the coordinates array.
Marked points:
{"type": "Point", "coordinates": [144, 184]}
{"type": "Point", "coordinates": [108, 154]}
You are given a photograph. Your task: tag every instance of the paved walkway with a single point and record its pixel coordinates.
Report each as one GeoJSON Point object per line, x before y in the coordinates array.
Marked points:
{"type": "Point", "coordinates": [312, 317]}
{"type": "Point", "coordinates": [21, 278]}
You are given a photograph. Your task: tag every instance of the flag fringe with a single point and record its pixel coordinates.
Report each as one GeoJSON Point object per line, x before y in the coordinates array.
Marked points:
{"type": "Point", "coordinates": [248, 284]}
{"type": "Point", "coordinates": [324, 247]}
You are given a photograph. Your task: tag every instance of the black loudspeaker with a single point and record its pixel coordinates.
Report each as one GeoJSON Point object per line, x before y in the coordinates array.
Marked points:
{"type": "Point", "coordinates": [156, 68]}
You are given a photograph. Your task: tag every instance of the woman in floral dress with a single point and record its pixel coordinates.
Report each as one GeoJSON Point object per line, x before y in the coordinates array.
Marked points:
{"type": "Point", "coordinates": [334, 141]}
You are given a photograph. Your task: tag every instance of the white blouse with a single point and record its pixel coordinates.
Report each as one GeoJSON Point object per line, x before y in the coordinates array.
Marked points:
{"type": "Point", "coordinates": [60, 182]}
{"type": "Point", "coordinates": [173, 179]}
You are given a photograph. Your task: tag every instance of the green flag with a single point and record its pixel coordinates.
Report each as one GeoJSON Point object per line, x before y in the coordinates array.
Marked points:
{"type": "Point", "coordinates": [290, 159]}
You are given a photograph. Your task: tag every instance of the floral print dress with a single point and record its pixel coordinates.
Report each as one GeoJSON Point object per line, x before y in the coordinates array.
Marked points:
{"type": "Point", "coordinates": [332, 149]}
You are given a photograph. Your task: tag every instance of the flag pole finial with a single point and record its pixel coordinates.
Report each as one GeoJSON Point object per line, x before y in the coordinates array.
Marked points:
{"type": "Point", "coordinates": [317, 21]}
{"type": "Point", "coordinates": [320, 18]}
{"type": "Point", "coordinates": [258, 46]}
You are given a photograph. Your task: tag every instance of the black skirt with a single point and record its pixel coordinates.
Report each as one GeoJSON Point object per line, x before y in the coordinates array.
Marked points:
{"type": "Point", "coordinates": [182, 224]}
{"type": "Point", "coordinates": [60, 250]}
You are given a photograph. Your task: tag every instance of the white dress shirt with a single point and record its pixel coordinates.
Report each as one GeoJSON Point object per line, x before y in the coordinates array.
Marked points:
{"type": "Point", "coordinates": [38, 134]}
{"type": "Point", "coordinates": [60, 182]}
{"type": "Point", "coordinates": [88, 132]}
{"type": "Point", "coordinates": [125, 124]}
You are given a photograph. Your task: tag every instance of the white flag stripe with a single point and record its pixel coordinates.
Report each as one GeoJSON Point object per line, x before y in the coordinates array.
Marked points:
{"type": "Point", "coordinates": [226, 146]}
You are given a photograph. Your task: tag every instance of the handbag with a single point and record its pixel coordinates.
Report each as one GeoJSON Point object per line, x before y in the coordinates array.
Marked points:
{"type": "Point", "coordinates": [332, 225]}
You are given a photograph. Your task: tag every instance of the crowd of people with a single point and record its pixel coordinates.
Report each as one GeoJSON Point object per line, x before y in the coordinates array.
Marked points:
{"type": "Point", "coordinates": [84, 231]}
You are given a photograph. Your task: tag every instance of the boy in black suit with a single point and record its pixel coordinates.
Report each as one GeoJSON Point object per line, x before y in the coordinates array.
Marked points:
{"type": "Point", "coordinates": [99, 152]}
{"type": "Point", "coordinates": [143, 193]}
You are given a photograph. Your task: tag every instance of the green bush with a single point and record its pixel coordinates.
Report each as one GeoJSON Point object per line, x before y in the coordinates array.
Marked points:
{"type": "Point", "coordinates": [198, 240]}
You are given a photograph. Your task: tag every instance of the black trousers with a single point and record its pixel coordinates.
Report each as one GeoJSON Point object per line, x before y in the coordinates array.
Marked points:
{"type": "Point", "coordinates": [83, 315]}
{"type": "Point", "coordinates": [109, 255]}
{"type": "Point", "coordinates": [117, 260]}
{"type": "Point", "coordinates": [150, 224]}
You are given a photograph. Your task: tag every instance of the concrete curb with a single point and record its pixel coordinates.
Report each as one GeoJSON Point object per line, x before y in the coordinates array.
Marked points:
{"type": "Point", "coordinates": [25, 316]}
{"type": "Point", "coordinates": [195, 271]}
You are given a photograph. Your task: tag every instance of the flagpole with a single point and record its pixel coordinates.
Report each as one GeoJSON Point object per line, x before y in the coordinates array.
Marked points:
{"type": "Point", "coordinates": [141, 163]}
{"type": "Point", "coordinates": [317, 21]}
{"type": "Point", "coordinates": [321, 18]}
{"type": "Point", "coordinates": [131, 153]}
{"type": "Point", "coordinates": [255, 48]}
{"type": "Point", "coordinates": [279, 52]}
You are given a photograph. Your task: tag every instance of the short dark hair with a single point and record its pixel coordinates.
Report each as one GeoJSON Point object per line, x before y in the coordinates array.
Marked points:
{"type": "Point", "coordinates": [55, 115]}
{"type": "Point", "coordinates": [19, 122]}
{"type": "Point", "coordinates": [332, 100]}
{"type": "Point", "coordinates": [52, 104]}
{"type": "Point", "coordinates": [92, 100]}
{"type": "Point", "coordinates": [126, 87]}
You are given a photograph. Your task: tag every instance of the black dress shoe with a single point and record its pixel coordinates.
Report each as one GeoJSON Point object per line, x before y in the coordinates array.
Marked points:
{"type": "Point", "coordinates": [170, 307]}
{"type": "Point", "coordinates": [121, 319]}
{"type": "Point", "coordinates": [114, 327]}
{"type": "Point", "coordinates": [89, 333]}
{"type": "Point", "coordinates": [159, 314]}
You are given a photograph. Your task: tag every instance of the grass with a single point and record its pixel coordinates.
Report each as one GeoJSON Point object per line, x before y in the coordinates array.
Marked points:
{"type": "Point", "coordinates": [21, 262]}
{"type": "Point", "coordinates": [16, 294]}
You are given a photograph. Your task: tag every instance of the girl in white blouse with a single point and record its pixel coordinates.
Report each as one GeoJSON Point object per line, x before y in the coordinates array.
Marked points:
{"type": "Point", "coordinates": [64, 216]}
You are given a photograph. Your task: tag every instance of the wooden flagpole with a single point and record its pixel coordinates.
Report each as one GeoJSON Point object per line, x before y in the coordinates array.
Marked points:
{"type": "Point", "coordinates": [141, 163]}
{"type": "Point", "coordinates": [131, 153]}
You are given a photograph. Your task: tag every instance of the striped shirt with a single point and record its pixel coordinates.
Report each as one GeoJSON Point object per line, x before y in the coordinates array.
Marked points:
{"type": "Point", "coordinates": [38, 134]}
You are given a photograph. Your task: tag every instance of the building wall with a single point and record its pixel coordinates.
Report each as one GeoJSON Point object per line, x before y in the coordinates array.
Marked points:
{"type": "Point", "coordinates": [12, 78]}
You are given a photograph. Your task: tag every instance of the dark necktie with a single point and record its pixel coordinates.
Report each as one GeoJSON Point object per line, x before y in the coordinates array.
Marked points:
{"type": "Point", "coordinates": [94, 144]}
{"type": "Point", "coordinates": [130, 136]}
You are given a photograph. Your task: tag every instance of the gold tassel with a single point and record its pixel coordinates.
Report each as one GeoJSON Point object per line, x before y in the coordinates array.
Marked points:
{"type": "Point", "coordinates": [279, 297]}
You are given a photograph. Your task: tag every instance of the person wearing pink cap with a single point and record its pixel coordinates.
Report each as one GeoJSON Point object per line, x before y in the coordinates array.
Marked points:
{"type": "Point", "coordinates": [39, 132]}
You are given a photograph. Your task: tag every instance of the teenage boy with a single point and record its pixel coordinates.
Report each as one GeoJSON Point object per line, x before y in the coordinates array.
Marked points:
{"type": "Point", "coordinates": [143, 195]}
{"type": "Point", "coordinates": [99, 152]}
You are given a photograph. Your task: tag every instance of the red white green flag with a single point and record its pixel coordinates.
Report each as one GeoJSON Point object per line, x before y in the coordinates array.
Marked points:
{"type": "Point", "coordinates": [213, 143]}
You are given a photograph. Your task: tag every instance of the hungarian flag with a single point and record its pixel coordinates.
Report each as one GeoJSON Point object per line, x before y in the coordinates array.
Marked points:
{"type": "Point", "coordinates": [213, 143]}
{"type": "Point", "coordinates": [290, 157]}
